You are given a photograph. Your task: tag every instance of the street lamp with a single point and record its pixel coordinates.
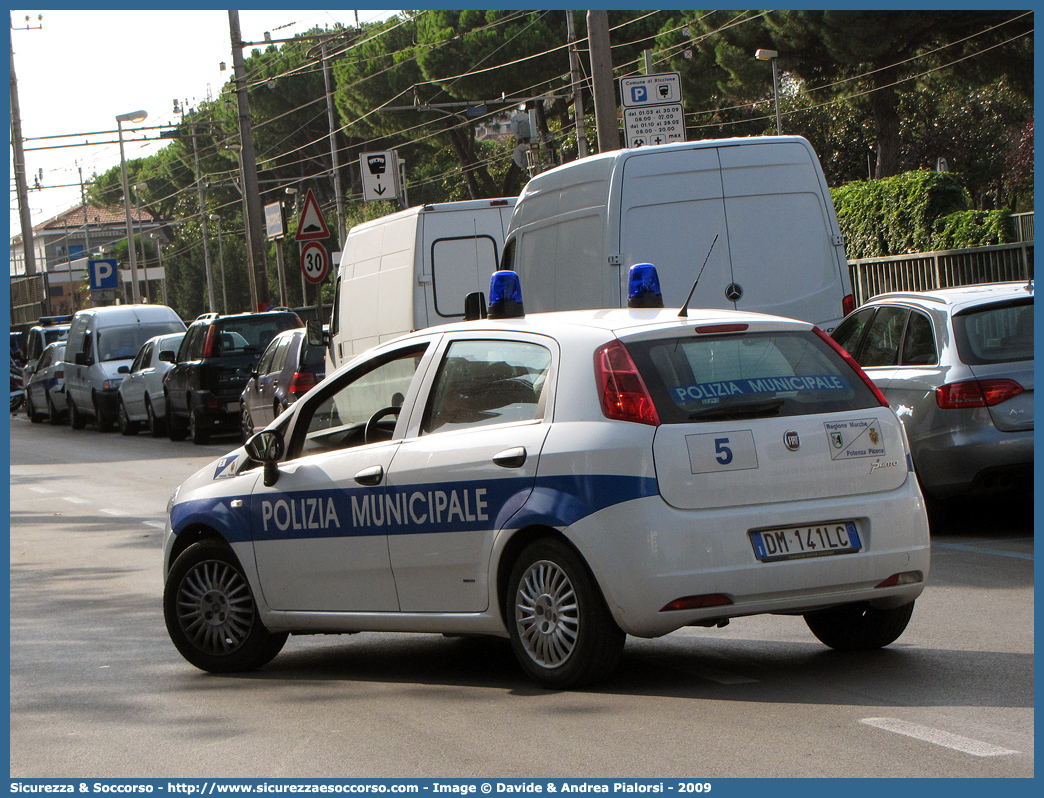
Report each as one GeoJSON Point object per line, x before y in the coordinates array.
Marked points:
{"type": "Point", "coordinates": [221, 259]}
{"type": "Point", "coordinates": [772, 55]}
{"type": "Point", "coordinates": [133, 116]}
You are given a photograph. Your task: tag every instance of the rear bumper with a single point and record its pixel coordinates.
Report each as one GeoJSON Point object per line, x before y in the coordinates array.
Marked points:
{"type": "Point", "coordinates": [977, 461]}
{"type": "Point", "coordinates": [646, 554]}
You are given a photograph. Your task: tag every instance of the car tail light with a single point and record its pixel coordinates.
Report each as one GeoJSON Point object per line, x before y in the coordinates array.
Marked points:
{"type": "Point", "coordinates": [622, 391]}
{"type": "Point", "coordinates": [59, 375]}
{"type": "Point", "coordinates": [851, 362]}
{"type": "Point", "coordinates": [976, 393]}
{"type": "Point", "coordinates": [847, 304]}
{"type": "Point", "coordinates": [208, 345]}
{"type": "Point", "coordinates": [301, 382]}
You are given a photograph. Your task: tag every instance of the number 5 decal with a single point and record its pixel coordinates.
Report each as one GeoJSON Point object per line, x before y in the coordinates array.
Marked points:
{"type": "Point", "coordinates": [712, 452]}
{"type": "Point", "coordinates": [723, 451]}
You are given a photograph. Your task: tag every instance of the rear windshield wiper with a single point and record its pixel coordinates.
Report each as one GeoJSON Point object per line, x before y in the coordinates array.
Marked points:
{"type": "Point", "coordinates": [752, 409]}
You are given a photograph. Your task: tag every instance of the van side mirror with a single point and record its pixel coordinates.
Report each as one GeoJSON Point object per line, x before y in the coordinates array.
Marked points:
{"type": "Point", "coordinates": [123, 370]}
{"type": "Point", "coordinates": [266, 447]}
{"type": "Point", "coordinates": [167, 356]}
{"type": "Point", "coordinates": [80, 359]}
{"type": "Point", "coordinates": [316, 335]}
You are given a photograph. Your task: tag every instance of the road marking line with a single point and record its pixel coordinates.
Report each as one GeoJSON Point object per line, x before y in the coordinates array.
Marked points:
{"type": "Point", "coordinates": [40, 490]}
{"type": "Point", "coordinates": [157, 524]}
{"type": "Point", "coordinates": [75, 500]}
{"type": "Point", "coordinates": [980, 550]}
{"type": "Point", "coordinates": [113, 512]}
{"type": "Point", "coordinates": [937, 737]}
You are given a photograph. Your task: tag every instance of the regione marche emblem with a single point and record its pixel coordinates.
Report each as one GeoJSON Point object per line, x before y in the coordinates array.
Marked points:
{"type": "Point", "coordinates": [874, 437]}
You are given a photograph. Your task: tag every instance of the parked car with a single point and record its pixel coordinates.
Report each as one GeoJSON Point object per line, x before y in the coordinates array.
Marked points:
{"type": "Point", "coordinates": [212, 365]}
{"type": "Point", "coordinates": [141, 392]}
{"type": "Point", "coordinates": [101, 346]}
{"type": "Point", "coordinates": [47, 330]}
{"type": "Point", "coordinates": [288, 369]}
{"type": "Point", "coordinates": [562, 480]}
{"type": "Point", "coordinates": [45, 389]}
{"type": "Point", "coordinates": [956, 364]}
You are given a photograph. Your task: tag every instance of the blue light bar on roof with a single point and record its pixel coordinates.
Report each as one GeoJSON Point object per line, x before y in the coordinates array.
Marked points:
{"type": "Point", "coordinates": [643, 287]}
{"type": "Point", "coordinates": [505, 296]}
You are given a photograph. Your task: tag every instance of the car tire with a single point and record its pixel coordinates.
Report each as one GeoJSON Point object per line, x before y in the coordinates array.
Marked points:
{"type": "Point", "coordinates": [177, 430]}
{"type": "Point", "coordinates": [246, 423]}
{"type": "Point", "coordinates": [156, 425]}
{"type": "Point", "coordinates": [30, 410]}
{"type": "Point", "coordinates": [199, 429]}
{"type": "Point", "coordinates": [102, 420]}
{"type": "Point", "coordinates": [561, 629]}
{"type": "Point", "coordinates": [127, 427]}
{"type": "Point", "coordinates": [53, 416]}
{"type": "Point", "coordinates": [859, 627]}
{"type": "Point", "coordinates": [76, 419]}
{"type": "Point", "coordinates": [211, 614]}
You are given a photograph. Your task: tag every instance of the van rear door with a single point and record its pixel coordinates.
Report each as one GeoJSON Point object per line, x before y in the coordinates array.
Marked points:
{"type": "Point", "coordinates": [671, 210]}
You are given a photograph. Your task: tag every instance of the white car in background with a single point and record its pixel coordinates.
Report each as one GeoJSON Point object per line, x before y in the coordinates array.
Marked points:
{"type": "Point", "coordinates": [141, 392]}
{"type": "Point", "coordinates": [563, 480]}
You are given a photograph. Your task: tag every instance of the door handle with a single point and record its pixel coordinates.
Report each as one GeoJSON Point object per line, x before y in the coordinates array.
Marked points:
{"type": "Point", "coordinates": [511, 458]}
{"type": "Point", "coordinates": [370, 476]}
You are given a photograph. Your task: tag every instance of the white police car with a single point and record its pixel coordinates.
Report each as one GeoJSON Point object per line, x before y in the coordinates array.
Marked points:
{"type": "Point", "coordinates": [561, 479]}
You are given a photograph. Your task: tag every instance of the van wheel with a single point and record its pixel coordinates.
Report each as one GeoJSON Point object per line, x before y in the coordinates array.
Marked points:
{"type": "Point", "coordinates": [210, 612]}
{"type": "Point", "coordinates": [156, 425]}
{"type": "Point", "coordinates": [127, 427]}
{"type": "Point", "coordinates": [103, 420]}
{"type": "Point", "coordinates": [561, 630]}
{"type": "Point", "coordinates": [859, 627]}
{"type": "Point", "coordinates": [177, 430]}
{"type": "Point", "coordinates": [76, 420]}
{"type": "Point", "coordinates": [199, 429]}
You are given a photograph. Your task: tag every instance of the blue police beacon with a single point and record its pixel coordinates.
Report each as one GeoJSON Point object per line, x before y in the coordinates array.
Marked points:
{"type": "Point", "coordinates": [643, 287]}
{"type": "Point", "coordinates": [505, 296]}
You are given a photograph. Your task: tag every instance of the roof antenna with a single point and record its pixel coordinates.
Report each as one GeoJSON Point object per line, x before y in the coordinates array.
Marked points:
{"type": "Point", "coordinates": [684, 312]}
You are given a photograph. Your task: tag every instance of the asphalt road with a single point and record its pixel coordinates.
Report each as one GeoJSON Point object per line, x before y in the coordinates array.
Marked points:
{"type": "Point", "coordinates": [97, 689]}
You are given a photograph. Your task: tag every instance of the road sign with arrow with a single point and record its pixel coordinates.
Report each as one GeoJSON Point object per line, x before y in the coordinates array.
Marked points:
{"type": "Point", "coordinates": [312, 226]}
{"type": "Point", "coordinates": [380, 175]}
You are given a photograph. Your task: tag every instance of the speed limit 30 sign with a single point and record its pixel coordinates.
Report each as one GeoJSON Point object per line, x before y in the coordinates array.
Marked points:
{"type": "Point", "coordinates": [315, 262]}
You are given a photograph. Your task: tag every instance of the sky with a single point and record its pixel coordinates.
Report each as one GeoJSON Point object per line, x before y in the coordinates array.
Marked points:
{"type": "Point", "coordinates": [77, 70]}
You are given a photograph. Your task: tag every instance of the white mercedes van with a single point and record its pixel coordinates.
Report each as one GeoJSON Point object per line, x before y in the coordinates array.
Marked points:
{"type": "Point", "coordinates": [751, 218]}
{"type": "Point", "coordinates": [100, 348]}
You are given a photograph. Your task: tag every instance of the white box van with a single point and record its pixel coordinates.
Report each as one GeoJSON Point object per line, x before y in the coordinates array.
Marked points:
{"type": "Point", "coordinates": [577, 229]}
{"type": "Point", "coordinates": [101, 346]}
{"type": "Point", "coordinates": [413, 269]}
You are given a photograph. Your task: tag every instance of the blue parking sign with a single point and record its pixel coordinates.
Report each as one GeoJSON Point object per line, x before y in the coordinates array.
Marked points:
{"type": "Point", "coordinates": [103, 274]}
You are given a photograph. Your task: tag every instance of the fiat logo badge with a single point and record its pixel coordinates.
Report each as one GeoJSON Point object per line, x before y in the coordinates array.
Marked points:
{"type": "Point", "coordinates": [790, 438]}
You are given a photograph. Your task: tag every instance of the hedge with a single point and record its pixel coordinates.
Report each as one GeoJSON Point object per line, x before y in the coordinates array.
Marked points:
{"type": "Point", "coordinates": [916, 211]}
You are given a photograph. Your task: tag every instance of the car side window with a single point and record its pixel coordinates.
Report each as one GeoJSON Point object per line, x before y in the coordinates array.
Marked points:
{"type": "Point", "coordinates": [264, 366]}
{"type": "Point", "coordinates": [337, 418]}
{"type": "Point", "coordinates": [849, 333]}
{"type": "Point", "coordinates": [488, 382]}
{"type": "Point", "coordinates": [881, 347]}
{"type": "Point", "coordinates": [45, 360]}
{"type": "Point", "coordinates": [279, 356]}
{"type": "Point", "coordinates": [192, 345]}
{"type": "Point", "coordinates": [142, 360]}
{"type": "Point", "coordinates": [919, 343]}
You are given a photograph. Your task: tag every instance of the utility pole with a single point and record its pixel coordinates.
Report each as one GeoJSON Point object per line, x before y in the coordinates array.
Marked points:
{"type": "Point", "coordinates": [257, 255]}
{"type": "Point", "coordinates": [333, 148]}
{"type": "Point", "coordinates": [21, 188]}
{"type": "Point", "coordinates": [578, 98]}
{"type": "Point", "coordinates": [602, 79]}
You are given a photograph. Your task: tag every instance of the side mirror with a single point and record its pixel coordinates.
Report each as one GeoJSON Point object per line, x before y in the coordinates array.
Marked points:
{"type": "Point", "coordinates": [80, 359]}
{"type": "Point", "coordinates": [266, 447]}
{"type": "Point", "coordinates": [167, 356]}
{"type": "Point", "coordinates": [475, 306]}
{"type": "Point", "coordinates": [316, 335]}
{"type": "Point", "coordinates": [123, 370]}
